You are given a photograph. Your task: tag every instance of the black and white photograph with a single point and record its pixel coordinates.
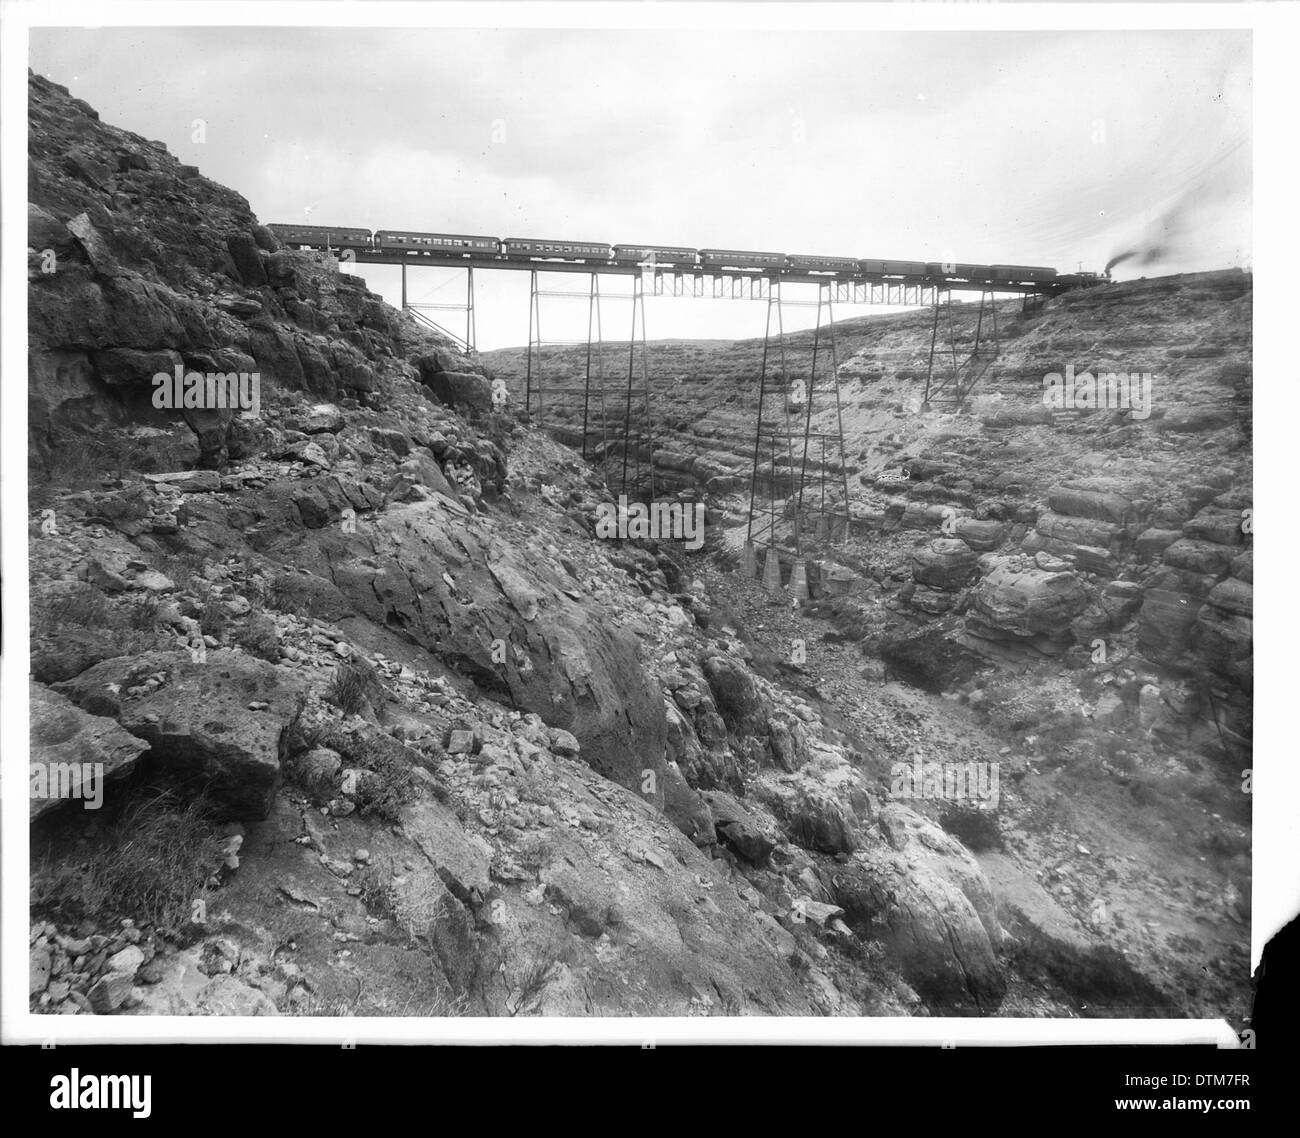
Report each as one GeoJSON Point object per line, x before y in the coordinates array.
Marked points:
{"type": "Point", "coordinates": [536, 520]}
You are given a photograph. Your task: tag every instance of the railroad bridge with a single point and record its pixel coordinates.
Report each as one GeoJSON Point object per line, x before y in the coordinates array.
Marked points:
{"type": "Point", "coordinates": [623, 377]}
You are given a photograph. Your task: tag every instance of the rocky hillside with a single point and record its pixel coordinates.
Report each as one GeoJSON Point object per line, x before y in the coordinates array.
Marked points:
{"type": "Point", "coordinates": [386, 730]}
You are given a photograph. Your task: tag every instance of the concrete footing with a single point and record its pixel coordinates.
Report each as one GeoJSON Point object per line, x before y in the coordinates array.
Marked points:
{"type": "Point", "coordinates": [799, 580]}
{"type": "Point", "coordinates": [772, 571]}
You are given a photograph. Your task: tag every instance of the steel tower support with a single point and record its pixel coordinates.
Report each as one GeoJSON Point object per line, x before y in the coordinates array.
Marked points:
{"type": "Point", "coordinates": [773, 433]}
{"type": "Point", "coordinates": [545, 385]}
{"type": "Point", "coordinates": [773, 306]}
{"type": "Point", "coordinates": [770, 434]}
{"type": "Point", "coordinates": [647, 432]}
{"type": "Point", "coordinates": [421, 309]}
{"type": "Point", "coordinates": [595, 340]}
{"type": "Point", "coordinates": [758, 428]}
{"type": "Point", "coordinates": [961, 377]}
{"type": "Point", "coordinates": [534, 332]}
{"type": "Point", "coordinates": [825, 303]}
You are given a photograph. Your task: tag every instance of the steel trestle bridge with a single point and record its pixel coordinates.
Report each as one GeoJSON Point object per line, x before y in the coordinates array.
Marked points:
{"type": "Point", "coordinates": [810, 518]}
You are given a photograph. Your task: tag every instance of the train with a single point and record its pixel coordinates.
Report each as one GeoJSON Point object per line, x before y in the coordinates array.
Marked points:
{"type": "Point", "coordinates": [596, 254]}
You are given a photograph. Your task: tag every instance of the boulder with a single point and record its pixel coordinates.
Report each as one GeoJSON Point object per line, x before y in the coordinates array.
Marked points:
{"type": "Point", "coordinates": [1080, 500]}
{"type": "Point", "coordinates": [788, 741]}
{"type": "Point", "coordinates": [1197, 556]}
{"type": "Point", "coordinates": [461, 862]}
{"type": "Point", "coordinates": [1225, 644]}
{"type": "Point", "coordinates": [61, 733]}
{"type": "Point", "coordinates": [981, 536]}
{"type": "Point", "coordinates": [702, 768]}
{"type": "Point", "coordinates": [1029, 602]}
{"type": "Point", "coordinates": [924, 897]}
{"type": "Point", "coordinates": [1243, 566]}
{"type": "Point", "coordinates": [738, 829]}
{"type": "Point", "coordinates": [1223, 527]}
{"type": "Point", "coordinates": [248, 258]}
{"type": "Point", "coordinates": [736, 695]}
{"type": "Point", "coordinates": [1121, 600]}
{"type": "Point", "coordinates": [459, 389]}
{"type": "Point", "coordinates": [1080, 531]}
{"type": "Point", "coordinates": [1233, 597]}
{"type": "Point", "coordinates": [317, 770]}
{"type": "Point", "coordinates": [319, 418]}
{"type": "Point", "coordinates": [813, 818]}
{"type": "Point", "coordinates": [1152, 543]}
{"type": "Point", "coordinates": [945, 563]}
{"type": "Point", "coordinates": [197, 721]}
{"type": "Point", "coordinates": [1166, 623]}
{"type": "Point", "coordinates": [93, 245]}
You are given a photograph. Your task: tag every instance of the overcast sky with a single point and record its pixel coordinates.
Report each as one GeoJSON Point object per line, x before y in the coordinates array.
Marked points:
{"type": "Point", "coordinates": [1047, 148]}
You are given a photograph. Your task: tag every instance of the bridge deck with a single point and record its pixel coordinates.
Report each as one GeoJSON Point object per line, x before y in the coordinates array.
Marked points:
{"type": "Point", "coordinates": [631, 269]}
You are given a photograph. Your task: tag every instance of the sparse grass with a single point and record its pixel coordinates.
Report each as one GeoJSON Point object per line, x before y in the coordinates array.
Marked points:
{"type": "Point", "coordinates": [259, 637]}
{"type": "Point", "coordinates": [159, 859]}
{"type": "Point", "coordinates": [80, 604]}
{"type": "Point", "coordinates": [355, 682]}
{"type": "Point", "coordinates": [282, 596]}
{"type": "Point", "coordinates": [142, 614]}
{"type": "Point", "coordinates": [316, 1006]}
{"type": "Point", "coordinates": [537, 971]}
{"type": "Point", "coordinates": [532, 788]}
{"type": "Point", "coordinates": [1014, 705]}
{"type": "Point", "coordinates": [440, 1005]}
{"type": "Point", "coordinates": [152, 864]}
{"type": "Point", "coordinates": [62, 887]}
{"type": "Point", "coordinates": [383, 794]}
{"type": "Point", "coordinates": [443, 1005]}
{"type": "Point", "coordinates": [535, 851]}
{"type": "Point", "coordinates": [82, 462]}
{"type": "Point", "coordinates": [387, 784]}
{"type": "Point", "coordinates": [258, 590]}
{"type": "Point", "coordinates": [185, 568]}
{"type": "Point", "coordinates": [130, 624]}
{"type": "Point", "coordinates": [212, 617]}
{"type": "Point", "coordinates": [377, 892]}
{"type": "Point", "coordinates": [418, 908]}
{"type": "Point", "coordinates": [71, 468]}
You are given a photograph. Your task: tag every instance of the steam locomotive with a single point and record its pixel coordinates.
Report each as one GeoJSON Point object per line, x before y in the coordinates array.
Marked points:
{"type": "Point", "coordinates": [415, 244]}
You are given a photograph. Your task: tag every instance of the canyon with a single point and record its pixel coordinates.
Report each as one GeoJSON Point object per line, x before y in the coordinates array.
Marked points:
{"type": "Point", "coordinates": [388, 727]}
